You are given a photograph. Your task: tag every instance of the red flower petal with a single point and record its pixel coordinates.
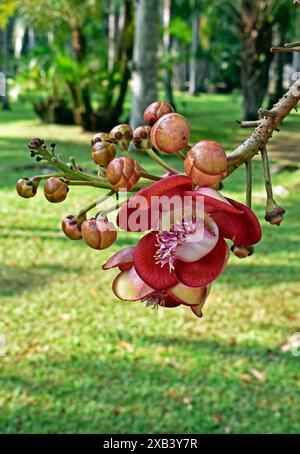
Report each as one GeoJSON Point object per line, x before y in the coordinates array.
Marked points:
{"type": "Point", "coordinates": [214, 201]}
{"type": "Point", "coordinates": [235, 220]}
{"type": "Point", "coordinates": [169, 186]}
{"type": "Point", "coordinates": [243, 230]}
{"type": "Point", "coordinates": [205, 270]}
{"type": "Point", "coordinates": [128, 286]}
{"type": "Point", "coordinates": [189, 296]}
{"type": "Point", "coordinates": [154, 275]}
{"type": "Point", "coordinates": [197, 310]}
{"type": "Point", "coordinates": [123, 259]}
{"type": "Point", "coordinates": [171, 302]}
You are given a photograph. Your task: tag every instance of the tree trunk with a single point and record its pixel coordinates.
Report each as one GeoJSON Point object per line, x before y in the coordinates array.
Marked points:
{"type": "Point", "coordinates": [112, 34]}
{"type": "Point", "coordinates": [194, 61]}
{"type": "Point", "coordinates": [296, 55]}
{"type": "Point", "coordinates": [167, 43]}
{"type": "Point", "coordinates": [181, 68]}
{"type": "Point", "coordinates": [19, 34]}
{"type": "Point", "coordinates": [256, 37]}
{"type": "Point", "coordinates": [4, 68]}
{"type": "Point", "coordinates": [276, 89]}
{"type": "Point", "coordinates": [144, 80]}
{"type": "Point", "coordinates": [124, 57]}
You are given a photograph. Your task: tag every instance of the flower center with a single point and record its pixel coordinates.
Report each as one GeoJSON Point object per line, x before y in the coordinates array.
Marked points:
{"type": "Point", "coordinates": [196, 237]}
{"type": "Point", "coordinates": [167, 242]}
{"type": "Point", "coordinates": [155, 300]}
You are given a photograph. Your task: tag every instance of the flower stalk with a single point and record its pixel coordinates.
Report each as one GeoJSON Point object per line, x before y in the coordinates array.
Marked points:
{"type": "Point", "coordinates": [274, 213]}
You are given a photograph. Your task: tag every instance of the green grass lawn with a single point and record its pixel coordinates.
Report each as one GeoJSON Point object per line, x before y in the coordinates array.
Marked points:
{"type": "Point", "coordinates": [79, 360]}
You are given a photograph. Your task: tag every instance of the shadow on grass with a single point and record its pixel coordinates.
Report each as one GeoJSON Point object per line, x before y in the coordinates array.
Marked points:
{"type": "Point", "coordinates": [136, 394]}
{"type": "Point", "coordinates": [15, 280]}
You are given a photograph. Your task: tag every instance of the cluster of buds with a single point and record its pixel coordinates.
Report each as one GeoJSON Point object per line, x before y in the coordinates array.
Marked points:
{"type": "Point", "coordinates": [203, 167]}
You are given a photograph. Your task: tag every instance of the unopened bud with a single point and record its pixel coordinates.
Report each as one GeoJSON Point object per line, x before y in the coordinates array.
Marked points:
{"type": "Point", "coordinates": [71, 228]}
{"type": "Point", "coordinates": [27, 187]}
{"type": "Point", "coordinates": [36, 144]}
{"type": "Point", "coordinates": [141, 138]}
{"type": "Point", "coordinates": [242, 251]}
{"type": "Point", "coordinates": [103, 153]}
{"type": "Point", "coordinates": [55, 190]}
{"type": "Point", "coordinates": [123, 173]}
{"type": "Point", "coordinates": [122, 135]}
{"type": "Point", "coordinates": [274, 213]}
{"type": "Point", "coordinates": [98, 234]}
{"type": "Point", "coordinates": [156, 110]}
{"type": "Point", "coordinates": [206, 163]}
{"type": "Point", "coordinates": [170, 133]}
{"type": "Point", "coordinates": [100, 137]}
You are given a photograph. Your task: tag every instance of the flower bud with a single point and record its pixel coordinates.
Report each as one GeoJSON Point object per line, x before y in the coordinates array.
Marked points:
{"type": "Point", "coordinates": [170, 133]}
{"type": "Point", "coordinates": [100, 137]}
{"type": "Point", "coordinates": [141, 138]}
{"type": "Point", "coordinates": [206, 163]}
{"type": "Point", "coordinates": [122, 135]}
{"type": "Point", "coordinates": [242, 251]}
{"type": "Point", "coordinates": [156, 110]}
{"type": "Point", "coordinates": [99, 234]}
{"type": "Point", "coordinates": [26, 187]}
{"type": "Point", "coordinates": [123, 173]}
{"type": "Point", "coordinates": [71, 228]}
{"type": "Point", "coordinates": [103, 153]}
{"type": "Point", "coordinates": [274, 213]}
{"type": "Point", "coordinates": [55, 190]}
{"type": "Point", "coordinates": [36, 144]}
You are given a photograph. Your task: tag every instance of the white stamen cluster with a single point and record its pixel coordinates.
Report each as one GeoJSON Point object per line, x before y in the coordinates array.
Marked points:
{"type": "Point", "coordinates": [167, 242]}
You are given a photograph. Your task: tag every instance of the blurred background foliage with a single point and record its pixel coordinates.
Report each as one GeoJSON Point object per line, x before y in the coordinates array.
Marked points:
{"type": "Point", "coordinates": [74, 60]}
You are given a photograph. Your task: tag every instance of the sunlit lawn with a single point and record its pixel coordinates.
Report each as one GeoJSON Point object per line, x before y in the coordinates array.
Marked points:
{"type": "Point", "coordinates": [79, 360]}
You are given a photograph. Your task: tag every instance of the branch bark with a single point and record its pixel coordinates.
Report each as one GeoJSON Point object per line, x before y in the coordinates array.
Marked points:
{"type": "Point", "coordinates": [263, 133]}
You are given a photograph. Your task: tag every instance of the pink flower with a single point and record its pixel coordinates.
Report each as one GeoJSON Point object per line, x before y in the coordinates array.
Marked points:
{"type": "Point", "coordinates": [177, 266]}
{"type": "Point", "coordinates": [128, 286]}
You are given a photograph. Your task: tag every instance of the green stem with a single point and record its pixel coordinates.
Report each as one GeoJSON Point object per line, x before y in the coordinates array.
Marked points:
{"type": "Point", "coordinates": [161, 162]}
{"type": "Point", "coordinates": [115, 207]}
{"type": "Point", "coordinates": [48, 175]}
{"type": "Point", "coordinates": [180, 155]}
{"type": "Point", "coordinates": [150, 176]}
{"type": "Point", "coordinates": [249, 183]}
{"type": "Point", "coordinates": [95, 184]}
{"type": "Point", "coordinates": [93, 204]}
{"type": "Point", "coordinates": [267, 173]}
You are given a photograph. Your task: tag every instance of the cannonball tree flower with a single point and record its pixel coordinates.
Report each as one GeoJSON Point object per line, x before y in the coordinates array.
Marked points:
{"type": "Point", "coordinates": [128, 286]}
{"type": "Point", "coordinates": [193, 252]}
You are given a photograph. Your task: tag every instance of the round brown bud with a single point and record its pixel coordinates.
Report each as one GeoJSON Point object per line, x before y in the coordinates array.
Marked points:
{"type": "Point", "coordinates": [122, 135]}
{"type": "Point", "coordinates": [206, 163]}
{"type": "Point", "coordinates": [26, 188]}
{"type": "Point", "coordinates": [170, 133]}
{"type": "Point", "coordinates": [103, 153]}
{"type": "Point", "coordinates": [71, 228]}
{"type": "Point", "coordinates": [141, 138]}
{"type": "Point", "coordinates": [36, 143]}
{"type": "Point", "coordinates": [123, 173]}
{"type": "Point", "coordinates": [98, 234]}
{"type": "Point", "coordinates": [100, 137]}
{"type": "Point", "coordinates": [55, 190]}
{"type": "Point", "coordinates": [274, 213]}
{"type": "Point", "coordinates": [242, 251]}
{"type": "Point", "coordinates": [156, 110]}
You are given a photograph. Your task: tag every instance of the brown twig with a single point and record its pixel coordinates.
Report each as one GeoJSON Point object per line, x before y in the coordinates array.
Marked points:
{"type": "Point", "coordinates": [285, 49]}
{"type": "Point", "coordinates": [248, 124]}
{"type": "Point", "coordinates": [263, 133]}
{"type": "Point", "coordinates": [295, 44]}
